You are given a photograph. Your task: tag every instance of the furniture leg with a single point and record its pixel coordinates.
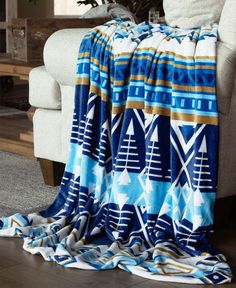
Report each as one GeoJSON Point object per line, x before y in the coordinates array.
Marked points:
{"type": "Point", "coordinates": [52, 171]}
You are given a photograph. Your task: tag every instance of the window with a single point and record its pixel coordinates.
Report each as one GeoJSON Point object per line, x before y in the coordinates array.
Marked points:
{"type": "Point", "coordinates": [69, 7]}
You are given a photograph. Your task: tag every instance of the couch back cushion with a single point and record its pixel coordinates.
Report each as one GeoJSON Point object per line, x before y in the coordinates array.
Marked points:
{"type": "Point", "coordinates": [227, 25]}
{"type": "Point", "coordinates": [192, 13]}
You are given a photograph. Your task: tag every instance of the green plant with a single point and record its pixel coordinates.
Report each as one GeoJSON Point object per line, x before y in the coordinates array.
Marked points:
{"type": "Point", "coordinates": [138, 8]}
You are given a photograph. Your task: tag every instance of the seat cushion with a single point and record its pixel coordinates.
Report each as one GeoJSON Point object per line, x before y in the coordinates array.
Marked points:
{"type": "Point", "coordinates": [226, 76]}
{"type": "Point", "coordinates": [227, 25]}
{"type": "Point", "coordinates": [44, 91]}
{"type": "Point", "coordinates": [47, 134]}
{"type": "Point", "coordinates": [192, 13]}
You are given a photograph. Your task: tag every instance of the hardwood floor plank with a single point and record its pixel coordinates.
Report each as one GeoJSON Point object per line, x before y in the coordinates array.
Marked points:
{"type": "Point", "coordinates": [16, 135]}
{"type": "Point", "coordinates": [11, 249]}
{"type": "Point", "coordinates": [26, 277]}
{"type": "Point", "coordinates": [27, 136]}
{"type": "Point", "coordinates": [13, 146]}
{"type": "Point", "coordinates": [33, 271]}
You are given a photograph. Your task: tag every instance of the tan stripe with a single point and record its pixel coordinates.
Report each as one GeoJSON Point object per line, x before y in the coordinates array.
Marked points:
{"type": "Point", "coordinates": [167, 112]}
{"type": "Point", "coordinates": [167, 53]}
{"type": "Point", "coordinates": [194, 118]}
{"type": "Point", "coordinates": [167, 84]}
{"type": "Point", "coordinates": [194, 88]}
{"type": "Point", "coordinates": [189, 270]}
{"type": "Point", "coordinates": [82, 81]}
{"type": "Point", "coordinates": [171, 62]}
{"type": "Point", "coordinates": [206, 280]}
{"type": "Point", "coordinates": [209, 262]}
{"type": "Point", "coordinates": [16, 222]}
{"type": "Point", "coordinates": [83, 54]}
{"type": "Point", "coordinates": [74, 235]}
{"type": "Point", "coordinates": [97, 62]}
{"type": "Point", "coordinates": [194, 67]}
{"type": "Point", "coordinates": [173, 254]}
{"type": "Point", "coordinates": [96, 90]}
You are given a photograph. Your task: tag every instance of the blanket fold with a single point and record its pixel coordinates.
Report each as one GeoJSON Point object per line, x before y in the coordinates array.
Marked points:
{"type": "Point", "coordinates": [139, 186]}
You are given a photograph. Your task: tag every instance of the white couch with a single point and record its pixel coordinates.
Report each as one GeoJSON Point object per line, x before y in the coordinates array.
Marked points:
{"type": "Point", "coordinates": [52, 92]}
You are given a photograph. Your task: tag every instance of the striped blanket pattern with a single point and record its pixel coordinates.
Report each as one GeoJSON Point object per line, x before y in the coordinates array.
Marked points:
{"type": "Point", "coordinates": [140, 183]}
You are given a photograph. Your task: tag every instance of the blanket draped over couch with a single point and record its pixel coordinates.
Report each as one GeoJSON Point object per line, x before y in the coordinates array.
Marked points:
{"type": "Point", "coordinates": [139, 186]}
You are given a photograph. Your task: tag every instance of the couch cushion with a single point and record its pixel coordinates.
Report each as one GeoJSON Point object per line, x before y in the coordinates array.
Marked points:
{"type": "Point", "coordinates": [68, 95]}
{"type": "Point", "coordinates": [44, 91]}
{"type": "Point", "coordinates": [192, 13]}
{"type": "Point", "coordinates": [61, 53]}
{"type": "Point", "coordinates": [227, 25]}
{"type": "Point", "coordinates": [47, 134]}
{"type": "Point", "coordinates": [226, 75]}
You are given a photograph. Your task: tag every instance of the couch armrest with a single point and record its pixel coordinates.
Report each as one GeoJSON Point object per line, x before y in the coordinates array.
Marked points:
{"type": "Point", "coordinates": [44, 91]}
{"type": "Point", "coordinates": [61, 52]}
{"type": "Point", "coordinates": [226, 76]}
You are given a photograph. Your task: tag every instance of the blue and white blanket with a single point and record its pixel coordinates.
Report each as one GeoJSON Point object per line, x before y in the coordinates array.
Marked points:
{"type": "Point", "coordinates": [140, 182]}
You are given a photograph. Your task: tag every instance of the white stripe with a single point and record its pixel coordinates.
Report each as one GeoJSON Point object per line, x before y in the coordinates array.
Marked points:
{"type": "Point", "coordinates": [153, 161]}
{"type": "Point", "coordinates": [153, 154]}
{"type": "Point", "coordinates": [117, 230]}
{"type": "Point", "coordinates": [163, 221]}
{"type": "Point", "coordinates": [155, 168]}
{"type": "Point", "coordinates": [116, 124]}
{"type": "Point", "coordinates": [200, 165]}
{"type": "Point", "coordinates": [188, 240]}
{"type": "Point", "coordinates": [201, 158]}
{"type": "Point", "coordinates": [121, 212]}
{"type": "Point", "coordinates": [88, 137]}
{"type": "Point", "coordinates": [83, 194]}
{"type": "Point", "coordinates": [201, 172]}
{"type": "Point", "coordinates": [82, 200]}
{"type": "Point", "coordinates": [127, 167]}
{"type": "Point", "coordinates": [127, 140]}
{"type": "Point", "coordinates": [128, 147]}
{"type": "Point", "coordinates": [124, 160]}
{"type": "Point", "coordinates": [121, 218]}
{"type": "Point", "coordinates": [73, 194]}
{"type": "Point", "coordinates": [74, 188]}
{"type": "Point", "coordinates": [118, 224]}
{"type": "Point", "coordinates": [154, 175]}
{"type": "Point", "coordinates": [203, 187]}
{"type": "Point", "coordinates": [123, 153]}
{"type": "Point", "coordinates": [202, 180]}
{"type": "Point", "coordinates": [152, 147]}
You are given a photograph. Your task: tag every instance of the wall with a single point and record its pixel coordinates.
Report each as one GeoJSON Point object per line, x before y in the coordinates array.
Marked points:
{"type": "Point", "coordinates": [43, 8]}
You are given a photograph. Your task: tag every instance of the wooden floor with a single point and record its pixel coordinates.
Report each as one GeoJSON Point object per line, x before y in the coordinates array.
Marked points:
{"type": "Point", "coordinates": [16, 131]}
{"type": "Point", "coordinates": [16, 135]}
{"type": "Point", "coordinates": [19, 269]}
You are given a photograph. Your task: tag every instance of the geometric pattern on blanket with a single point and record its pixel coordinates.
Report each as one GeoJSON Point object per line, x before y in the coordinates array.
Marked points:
{"type": "Point", "coordinates": [140, 183]}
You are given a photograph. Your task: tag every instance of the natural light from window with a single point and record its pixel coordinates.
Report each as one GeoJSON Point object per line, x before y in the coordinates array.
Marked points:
{"type": "Point", "coordinates": [70, 7]}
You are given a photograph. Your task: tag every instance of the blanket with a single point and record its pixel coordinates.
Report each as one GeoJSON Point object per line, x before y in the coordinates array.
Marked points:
{"type": "Point", "coordinates": [140, 183]}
